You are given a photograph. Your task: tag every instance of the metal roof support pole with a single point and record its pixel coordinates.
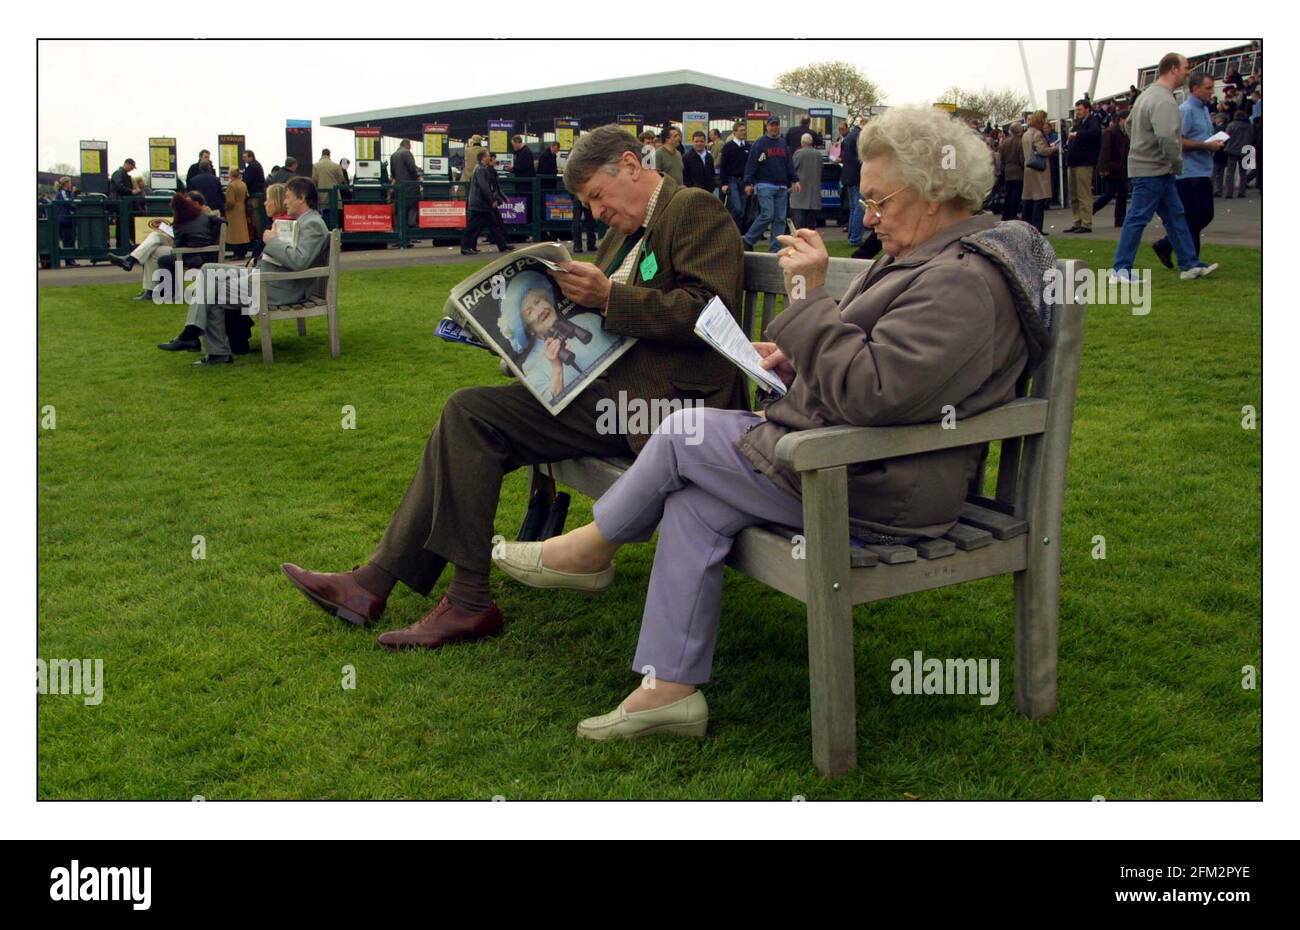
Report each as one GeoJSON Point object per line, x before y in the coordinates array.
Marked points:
{"type": "Point", "coordinates": [1029, 81]}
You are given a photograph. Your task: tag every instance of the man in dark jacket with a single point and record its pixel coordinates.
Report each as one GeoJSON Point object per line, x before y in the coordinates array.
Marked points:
{"type": "Point", "coordinates": [731, 172]}
{"type": "Point", "coordinates": [547, 162]}
{"type": "Point", "coordinates": [282, 175]}
{"type": "Point", "coordinates": [850, 177]}
{"type": "Point", "coordinates": [484, 197]}
{"type": "Point", "coordinates": [1083, 148]}
{"type": "Point", "coordinates": [697, 164]}
{"type": "Point", "coordinates": [1112, 168]}
{"type": "Point", "coordinates": [405, 175]}
{"type": "Point", "coordinates": [120, 184]}
{"type": "Point", "coordinates": [209, 185]}
{"type": "Point", "coordinates": [202, 166]}
{"type": "Point", "coordinates": [254, 179]}
{"type": "Point", "coordinates": [770, 175]}
{"type": "Point", "coordinates": [794, 138]}
{"type": "Point", "coordinates": [524, 166]}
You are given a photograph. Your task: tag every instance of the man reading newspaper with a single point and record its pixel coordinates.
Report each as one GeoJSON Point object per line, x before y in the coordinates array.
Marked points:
{"type": "Point", "coordinates": [668, 252]}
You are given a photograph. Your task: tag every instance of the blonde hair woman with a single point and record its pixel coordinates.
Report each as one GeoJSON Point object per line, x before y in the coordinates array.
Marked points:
{"type": "Point", "coordinates": [275, 207]}
{"type": "Point", "coordinates": [1037, 190]}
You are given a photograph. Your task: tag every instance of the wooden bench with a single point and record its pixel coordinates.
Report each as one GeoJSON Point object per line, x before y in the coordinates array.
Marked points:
{"type": "Point", "coordinates": [219, 248]}
{"type": "Point", "coordinates": [1016, 531]}
{"type": "Point", "coordinates": [327, 306]}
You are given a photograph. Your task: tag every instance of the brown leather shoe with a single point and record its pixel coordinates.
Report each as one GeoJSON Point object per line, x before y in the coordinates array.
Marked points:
{"type": "Point", "coordinates": [443, 625]}
{"type": "Point", "coordinates": [337, 594]}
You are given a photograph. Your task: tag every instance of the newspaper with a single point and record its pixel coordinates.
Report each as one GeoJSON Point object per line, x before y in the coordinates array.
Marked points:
{"type": "Point", "coordinates": [287, 230]}
{"type": "Point", "coordinates": [513, 306]}
{"type": "Point", "coordinates": [719, 329]}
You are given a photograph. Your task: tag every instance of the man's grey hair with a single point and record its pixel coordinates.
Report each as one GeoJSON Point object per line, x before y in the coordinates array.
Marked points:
{"type": "Point", "coordinates": [805, 139]}
{"type": "Point", "coordinates": [601, 149]}
{"type": "Point", "coordinates": [1197, 78]}
{"type": "Point", "coordinates": [941, 158]}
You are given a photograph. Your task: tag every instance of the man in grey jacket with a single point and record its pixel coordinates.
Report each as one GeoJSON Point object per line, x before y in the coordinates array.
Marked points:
{"type": "Point", "coordinates": [309, 249]}
{"type": "Point", "coordinates": [1155, 158]}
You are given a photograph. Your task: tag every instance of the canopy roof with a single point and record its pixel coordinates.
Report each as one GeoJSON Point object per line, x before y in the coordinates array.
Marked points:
{"type": "Point", "coordinates": [657, 98]}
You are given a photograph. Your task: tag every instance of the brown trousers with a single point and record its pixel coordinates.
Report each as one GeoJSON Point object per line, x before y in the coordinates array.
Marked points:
{"type": "Point", "coordinates": [484, 433]}
{"type": "Point", "coordinates": [1081, 195]}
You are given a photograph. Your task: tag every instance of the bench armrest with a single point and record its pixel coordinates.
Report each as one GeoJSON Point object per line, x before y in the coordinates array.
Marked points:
{"type": "Point", "coordinates": [320, 272]}
{"type": "Point", "coordinates": [831, 446]}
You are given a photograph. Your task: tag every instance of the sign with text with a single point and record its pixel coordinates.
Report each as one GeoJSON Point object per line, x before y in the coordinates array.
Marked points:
{"type": "Point", "coordinates": [230, 154]}
{"type": "Point", "coordinates": [819, 119]}
{"type": "Point", "coordinates": [367, 142]}
{"type": "Point", "coordinates": [162, 163]}
{"type": "Point", "coordinates": [436, 162]}
{"type": "Point", "coordinates": [94, 166]}
{"type": "Point", "coordinates": [297, 143]}
{"type": "Point", "coordinates": [557, 208]}
{"type": "Point", "coordinates": [499, 133]}
{"type": "Point", "coordinates": [514, 210]}
{"type": "Point", "coordinates": [566, 130]}
{"type": "Point", "coordinates": [630, 122]}
{"type": "Point", "coordinates": [367, 217]}
{"type": "Point", "coordinates": [694, 121]}
{"type": "Point", "coordinates": [756, 123]}
{"type": "Point", "coordinates": [442, 214]}
{"type": "Point", "coordinates": [369, 164]}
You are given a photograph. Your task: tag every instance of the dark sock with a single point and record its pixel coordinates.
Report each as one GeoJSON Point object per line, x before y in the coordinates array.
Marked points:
{"type": "Point", "coordinates": [191, 332]}
{"type": "Point", "coordinates": [469, 590]}
{"type": "Point", "coordinates": [374, 579]}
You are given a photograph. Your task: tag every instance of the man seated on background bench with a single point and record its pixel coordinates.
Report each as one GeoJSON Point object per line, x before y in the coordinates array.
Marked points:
{"type": "Point", "coordinates": [310, 250]}
{"type": "Point", "coordinates": [669, 251]}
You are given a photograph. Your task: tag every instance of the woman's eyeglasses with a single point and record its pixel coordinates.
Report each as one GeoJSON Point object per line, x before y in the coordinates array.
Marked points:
{"type": "Point", "coordinates": [873, 206]}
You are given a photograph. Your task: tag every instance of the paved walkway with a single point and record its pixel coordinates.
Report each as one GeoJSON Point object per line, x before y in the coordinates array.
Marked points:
{"type": "Point", "coordinates": [1236, 222]}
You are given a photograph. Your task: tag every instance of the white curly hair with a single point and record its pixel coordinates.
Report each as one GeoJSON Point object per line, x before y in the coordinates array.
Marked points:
{"type": "Point", "coordinates": [940, 157]}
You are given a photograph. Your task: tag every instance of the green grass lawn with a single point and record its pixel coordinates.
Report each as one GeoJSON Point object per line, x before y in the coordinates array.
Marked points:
{"type": "Point", "coordinates": [222, 681]}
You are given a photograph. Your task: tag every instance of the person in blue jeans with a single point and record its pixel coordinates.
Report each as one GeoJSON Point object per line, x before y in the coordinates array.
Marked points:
{"type": "Point", "coordinates": [850, 169]}
{"type": "Point", "coordinates": [1152, 196]}
{"type": "Point", "coordinates": [1155, 159]}
{"type": "Point", "coordinates": [770, 175]}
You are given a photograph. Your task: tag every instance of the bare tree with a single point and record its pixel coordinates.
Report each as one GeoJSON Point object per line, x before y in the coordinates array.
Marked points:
{"type": "Point", "coordinates": [833, 81]}
{"type": "Point", "coordinates": [998, 106]}
{"type": "Point", "coordinates": [62, 168]}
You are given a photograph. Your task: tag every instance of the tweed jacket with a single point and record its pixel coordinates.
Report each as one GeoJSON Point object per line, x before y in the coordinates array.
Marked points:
{"type": "Point", "coordinates": [690, 252]}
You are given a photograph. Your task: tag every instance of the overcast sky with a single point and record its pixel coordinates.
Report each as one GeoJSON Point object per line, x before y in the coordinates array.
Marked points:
{"type": "Point", "coordinates": [246, 90]}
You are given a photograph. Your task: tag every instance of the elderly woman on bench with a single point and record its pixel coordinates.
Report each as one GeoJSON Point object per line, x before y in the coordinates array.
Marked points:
{"type": "Point", "coordinates": [930, 331]}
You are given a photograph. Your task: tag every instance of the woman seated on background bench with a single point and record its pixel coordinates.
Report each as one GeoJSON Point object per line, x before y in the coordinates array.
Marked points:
{"type": "Point", "coordinates": [930, 328]}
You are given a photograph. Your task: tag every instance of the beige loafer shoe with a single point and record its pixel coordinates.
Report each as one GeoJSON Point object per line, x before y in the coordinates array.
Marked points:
{"type": "Point", "coordinates": [687, 717]}
{"type": "Point", "coordinates": [522, 561]}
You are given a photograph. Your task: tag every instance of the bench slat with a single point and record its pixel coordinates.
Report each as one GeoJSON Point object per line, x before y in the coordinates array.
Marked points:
{"type": "Point", "coordinates": [894, 555]}
{"type": "Point", "coordinates": [969, 537]}
{"type": "Point", "coordinates": [1001, 525]}
{"type": "Point", "coordinates": [935, 548]}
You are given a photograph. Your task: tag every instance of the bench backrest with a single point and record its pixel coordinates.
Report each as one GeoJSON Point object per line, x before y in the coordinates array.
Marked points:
{"type": "Point", "coordinates": [1026, 467]}
{"type": "Point", "coordinates": [765, 283]}
{"type": "Point", "coordinates": [1031, 471]}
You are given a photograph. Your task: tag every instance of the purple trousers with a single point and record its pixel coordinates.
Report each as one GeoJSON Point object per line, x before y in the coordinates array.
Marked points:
{"type": "Point", "coordinates": [691, 482]}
